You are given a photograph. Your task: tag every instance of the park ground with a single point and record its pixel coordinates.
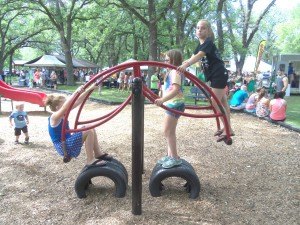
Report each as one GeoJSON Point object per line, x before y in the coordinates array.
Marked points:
{"type": "Point", "coordinates": [253, 181]}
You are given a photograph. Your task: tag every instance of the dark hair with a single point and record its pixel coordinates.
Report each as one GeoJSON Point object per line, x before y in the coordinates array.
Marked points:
{"type": "Point", "coordinates": [279, 94]}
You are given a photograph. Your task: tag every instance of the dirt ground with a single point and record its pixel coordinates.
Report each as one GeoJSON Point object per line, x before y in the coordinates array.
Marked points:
{"type": "Point", "coordinates": [253, 181]}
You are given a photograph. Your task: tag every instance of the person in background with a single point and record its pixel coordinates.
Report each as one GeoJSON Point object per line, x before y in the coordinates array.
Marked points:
{"type": "Point", "coordinates": [161, 78]}
{"type": "Point", "coordinates": [43, 78]}
{"type": "Point", "coordinates": [37, 78]}
{"type": "Point", "coordinates": [125, 83]}
{"type": "Point", "coordinates": [19, 119]}
{"type": "Point", "coordinates": [251, 85]}
{"type": "Point", "coordinates": [121, 80]}
{"type": "Point", "coordinates": [53, 78]}
{"type": "Point", "coordinates": [290, 72]}
{"type": "Point", "coordinates": [239, 99]}
{"type": "Point", "coordinates": [154, 83]}
{"type": "Point", "coordinates": [252, 101]}
{"type": "Point", "coordinates": [281, 82]}
{"type": "Point", "coordinates": [130, 81]}
{"type": "Point", "coordinates": [262, 106]}
{"type": "Point", "coordinates": [278, 107]}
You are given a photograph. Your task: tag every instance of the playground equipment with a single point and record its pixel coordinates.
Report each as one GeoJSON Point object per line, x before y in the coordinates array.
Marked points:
{"type": "Point", "coordinates": [17, 94]}
{"type": "Point", "coordinates": [185, 171]}
{"type": "Point", "coordinates": [113, 169]}
{"type": "Point", "coordinates": [139, 92]}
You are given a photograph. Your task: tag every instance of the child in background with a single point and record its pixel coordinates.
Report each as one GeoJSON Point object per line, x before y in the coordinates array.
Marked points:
{"type": "Point", "coordinates": [74, 142]}
{"type": "Point", "coordinates": [53, 78]}
{"type": "Point", "coordinates": [20, 121]}
{"type": "Point", "coordinates": [278, 107]}
{"type": "Point", "coordinates": [262, 106]}
{"type": "Point", "coordinates": [174, 99]}
{"type": "Point", "coordinates": [252, 101]}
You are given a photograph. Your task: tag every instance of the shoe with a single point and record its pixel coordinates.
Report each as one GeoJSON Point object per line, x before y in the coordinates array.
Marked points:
{"type": "Point", "coordinates": [16, 142]}
{"type": "Point", "coordinates": [172, 162]}
{"type": "Point", "coordinates": [96, 163]}
{"type": "Point", "coordinates": [219, 132]}
{"type": "Point", "coordinates": [163, 159]}
{"type": "Point", "coordinates": [105, 157]}
{"type": "Point", "coordinates": [26, 141]}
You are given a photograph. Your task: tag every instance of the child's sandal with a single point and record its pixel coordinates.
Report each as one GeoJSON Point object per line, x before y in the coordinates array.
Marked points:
{"type": "Point", "coordinates": [105, 156]}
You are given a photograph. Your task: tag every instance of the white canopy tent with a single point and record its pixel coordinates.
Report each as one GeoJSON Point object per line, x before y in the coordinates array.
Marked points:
{"type": "Point", "coordinates": [46, 61]}
{"type": "Point", "coordinates": [250, 64]}
{"type": "Point", "coordinates": [133, 60]}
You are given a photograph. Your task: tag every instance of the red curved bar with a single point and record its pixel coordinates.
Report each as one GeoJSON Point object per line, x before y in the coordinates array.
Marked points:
{"type": "Point", "coordinates": [107, 117]}
{"type": "Point", "coordinates": [100, 77]}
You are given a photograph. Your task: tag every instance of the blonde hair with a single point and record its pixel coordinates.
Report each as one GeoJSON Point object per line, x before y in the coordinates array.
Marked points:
{"type": "Point", "coordinates": [210, 31]}
{"type": "Point", "coordinates": [175, 56]}
{"type": "Point", "coordinates": [261, 94]}
{"type": "Point", "coordinates": [19, 104]}
{"type": "Point", "coordinates": [53, 101]}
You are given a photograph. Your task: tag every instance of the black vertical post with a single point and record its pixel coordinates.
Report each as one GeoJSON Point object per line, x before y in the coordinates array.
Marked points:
{"type": "Point", "coordinates": [142, 134]}
{"type": "Point", "coordinates": [137, 131]}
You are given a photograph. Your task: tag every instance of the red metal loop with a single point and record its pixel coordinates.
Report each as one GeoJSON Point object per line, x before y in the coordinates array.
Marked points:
{"type": "Point", "coordinates": [100, 77]}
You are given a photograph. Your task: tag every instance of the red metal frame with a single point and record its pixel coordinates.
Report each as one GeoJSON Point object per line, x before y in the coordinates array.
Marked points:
{"type": "Point", "coordinates": [100, 77]}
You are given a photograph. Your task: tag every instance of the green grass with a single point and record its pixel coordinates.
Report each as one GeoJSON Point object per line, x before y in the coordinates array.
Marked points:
{"type": "Point", "coordinates": [107, 94]}
{"type": "Point", "coordinates": [293, 111]}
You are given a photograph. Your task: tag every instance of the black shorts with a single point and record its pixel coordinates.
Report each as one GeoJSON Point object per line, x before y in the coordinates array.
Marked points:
{"type": "Point", "coordinates": [219, 78]}
{"type": "Point", "coordinates": [18, 131]}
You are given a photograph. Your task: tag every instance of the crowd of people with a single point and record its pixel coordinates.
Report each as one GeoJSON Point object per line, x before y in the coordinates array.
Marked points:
{"type": "Point", "coordinates": [260, 100]}
{"type": "Point", "coordinates": [38, 78]}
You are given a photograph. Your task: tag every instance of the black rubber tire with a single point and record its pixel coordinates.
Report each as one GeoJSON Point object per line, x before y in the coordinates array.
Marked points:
{"type": "Point", "coordinates": [121, 166]}
{"type": "Point", "coordinates": [185, 171]}
{"type": "Point", "coordinates": [118, 164]}
{"type": "Point", "coordinates": [110, 170]}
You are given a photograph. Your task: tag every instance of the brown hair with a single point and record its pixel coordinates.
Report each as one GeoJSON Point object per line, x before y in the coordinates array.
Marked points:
{"type": "Point", "coordinates": [261, 94]}
{"type": "Point", "coordinates": [210, 31]}
{"type": "Point", "coordinates": [175, 56]}
{"type": "Point", "coordinates": [53, 101]}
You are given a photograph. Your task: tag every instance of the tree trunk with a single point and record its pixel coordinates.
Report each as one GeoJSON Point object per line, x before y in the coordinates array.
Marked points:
{"type": "Point", "coordinates": [152, 38]}
{"type": "Point", "coordinates": [220, 26]}
{"type": "Point", "coordinates": [68, 58]}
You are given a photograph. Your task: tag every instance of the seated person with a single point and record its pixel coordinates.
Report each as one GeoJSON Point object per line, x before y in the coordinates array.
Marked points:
{"type": "Point", "coordinates": [262, 106]}
{"type": "Point", "coordinates": [239, 98]}
{"type": "Point", "coordinates": [252, 101]}
{"type": "Point", "coordinates": [278, 107]}
{"type": "Point", "coordinates": [234, 88]}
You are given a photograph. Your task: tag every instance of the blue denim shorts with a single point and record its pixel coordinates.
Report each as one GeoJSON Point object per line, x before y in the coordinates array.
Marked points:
{"type": "Point", "coordinates": [179, 107]}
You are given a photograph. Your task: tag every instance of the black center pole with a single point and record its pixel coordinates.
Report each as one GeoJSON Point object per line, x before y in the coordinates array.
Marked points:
{"type": "Point", "coordinates": [137, 145]}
